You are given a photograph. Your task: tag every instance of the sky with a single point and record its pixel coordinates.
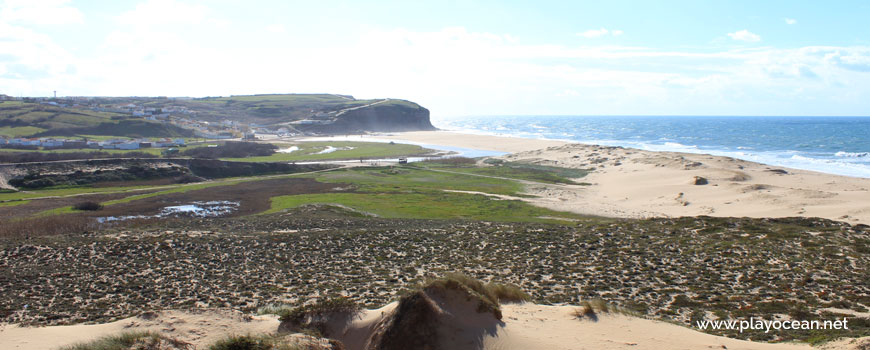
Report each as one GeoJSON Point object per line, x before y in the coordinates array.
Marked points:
{"type": "Point", "coordinates": [457, 58]}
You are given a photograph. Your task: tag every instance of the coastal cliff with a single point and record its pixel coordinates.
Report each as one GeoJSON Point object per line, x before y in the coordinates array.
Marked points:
{"type": "Point", "coordinates": [390, 115]}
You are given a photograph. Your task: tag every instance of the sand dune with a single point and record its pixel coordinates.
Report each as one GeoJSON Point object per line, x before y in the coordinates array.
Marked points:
{"type": "Point", "coordinates": [635, 183]}
{"type": "Point", "coordinates": [523, 326]}
{"type": "Point", "coordinates": [198, 328]}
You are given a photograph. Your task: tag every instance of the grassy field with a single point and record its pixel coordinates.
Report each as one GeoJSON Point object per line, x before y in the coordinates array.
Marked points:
{"type": "Point", "coordinates": [427, 205]}
{"type": "Point", "coordinates": [22, 131]}
{"type": "Point", "coordinates": [513, 170]}
{"type": "Point", "coordinates": [28, 119]}
{"type": "Point", "coordinates": [393, 192]}
{"type": "Point", "coordinates": [49, 117]}
{"type": "Point", "coordinates": [398, 179]}
{"type": "Point", "coordinates": [13, 203]}
{"type": "Point", "coordinates": [64, 191]}
{"type": "Point", "coordinates": [405, 192]}
{"type": "Point", "coordinates": [345, 150]}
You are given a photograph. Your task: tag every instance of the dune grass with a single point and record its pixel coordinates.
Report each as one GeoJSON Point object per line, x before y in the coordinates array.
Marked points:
{"type": "Point", "coordinates": [255, 342]}
{"type": "Point", "coordinates": [133, 340]}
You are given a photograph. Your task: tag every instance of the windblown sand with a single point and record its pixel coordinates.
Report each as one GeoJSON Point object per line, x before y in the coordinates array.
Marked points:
{"type": "Point", "coordinates": [633, 183]}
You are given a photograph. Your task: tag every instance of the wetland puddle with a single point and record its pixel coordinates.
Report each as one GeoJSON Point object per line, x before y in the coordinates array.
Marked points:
{"type": "Point", "coordinates": [197, 209]}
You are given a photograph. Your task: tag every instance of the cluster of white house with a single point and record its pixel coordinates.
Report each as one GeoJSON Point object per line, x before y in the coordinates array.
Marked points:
{"type": "Point", "coordinates": [105, 144]}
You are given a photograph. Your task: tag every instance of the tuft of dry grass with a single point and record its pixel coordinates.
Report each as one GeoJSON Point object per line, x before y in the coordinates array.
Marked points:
{"type": "Point", "coordinates": [590, 309]}
{"type": "Point", "coordinates": [508, 293]}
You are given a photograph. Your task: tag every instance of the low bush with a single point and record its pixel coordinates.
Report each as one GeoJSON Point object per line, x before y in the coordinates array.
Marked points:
{"type": "Point", "coordinates": [89, 206]}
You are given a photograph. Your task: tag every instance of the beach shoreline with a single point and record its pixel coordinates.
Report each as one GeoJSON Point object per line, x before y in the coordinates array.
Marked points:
{"type": "Point", "coordinates": [634, 183]}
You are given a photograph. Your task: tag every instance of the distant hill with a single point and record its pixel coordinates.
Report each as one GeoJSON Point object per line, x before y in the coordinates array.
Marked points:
{"type": "Point", "coordinates": [320, 113]}
{"type": "Point", "coordinates": [300, 113]}
{"type": "Point", "coordinates": [29, 119]}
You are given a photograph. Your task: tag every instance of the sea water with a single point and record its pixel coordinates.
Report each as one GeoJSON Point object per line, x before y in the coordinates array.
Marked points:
{"type": "Point", "coordinates": [836, 145]}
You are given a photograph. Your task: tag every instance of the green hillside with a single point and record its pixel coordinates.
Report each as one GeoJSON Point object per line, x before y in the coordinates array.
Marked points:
{"type": "Point", "coordinates": [269, 109]}
{"type": "Point", "coordinates": [25, 119]}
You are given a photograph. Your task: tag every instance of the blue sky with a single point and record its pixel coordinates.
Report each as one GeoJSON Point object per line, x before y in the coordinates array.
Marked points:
{"type": "Point", "coordinates": [455, 57]}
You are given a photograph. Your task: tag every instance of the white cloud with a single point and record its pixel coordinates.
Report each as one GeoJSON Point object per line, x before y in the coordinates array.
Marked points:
{"type": "Point", "coordinates": [596, 33]}
{"type": "Point", "coordinates": [790, 21]}
{"type": "Point", "coordinates": [159, 12]}
{"type": "Point", "coordinates": [276, 28]}
{"type": "Point", "coordinates": [745, 35]}
{"type": "Point", "coordinates": [40, 12]}
{"type": "Point", "coordinates": [454, 71]}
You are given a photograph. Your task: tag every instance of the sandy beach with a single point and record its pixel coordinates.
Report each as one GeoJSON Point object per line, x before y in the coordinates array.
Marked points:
{"type": "Point", "coordinates": [632, 183]}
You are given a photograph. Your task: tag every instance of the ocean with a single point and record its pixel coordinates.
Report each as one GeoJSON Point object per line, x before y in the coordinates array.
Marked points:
{"type": "Point", "coordinates": [835, 145]}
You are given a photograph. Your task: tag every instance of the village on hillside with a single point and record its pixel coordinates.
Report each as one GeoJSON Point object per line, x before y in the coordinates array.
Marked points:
{"type": "Point", "coordinates": [167, 113]}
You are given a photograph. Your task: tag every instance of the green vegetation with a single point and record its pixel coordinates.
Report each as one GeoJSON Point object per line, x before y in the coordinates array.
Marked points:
{"type": "Point", "coordinates": [258, 342]}
{"type": "Point", "coordinates": [418, 193]}
{"type": "Point", "coordinates": [432, 205]}
{"type": "Point", "coordinates": [34, 119]}
{"type": "Point", "coordinates": [267, 108]}
{"type": "Point", "coordinates": [66, 191]}
{"type": "Point", "coordinates": [232, 149]}
{"type": "Point", "coordinates": [12, 203]}
{"type": "Point", "coordinates": [21, 131]}
{"type": "Point", "coordinates": [515, 170]}
{"type": "Point", "coordinates": [132, 341]}
{"type": "Point", "coordinates": [302, 314]}
{"type": "Point", "coordinates": [344, 150]}
{"type": "Point", "coordinates": [410, 180]}
{"type": "Point", "coordinates": [130, 173]}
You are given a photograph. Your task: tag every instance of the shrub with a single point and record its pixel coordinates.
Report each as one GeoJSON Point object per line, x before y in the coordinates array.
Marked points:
{"type": "Point", "coordinates": [299, 314]}
{"type": "Point", "coordinates": [90, 206]}
{"type": "Point", "coordinates": [508, 293]}
{"type": "Point", "coordinates": [244, 342]}
{"type": "Point", "coordinates": [133, 340]}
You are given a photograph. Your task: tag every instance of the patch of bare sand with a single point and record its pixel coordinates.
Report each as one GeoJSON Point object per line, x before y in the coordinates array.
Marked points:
{"type": "Point", "coordinates": [634, 183]}
{"type": "Point", "coordinates": [199, 328]}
